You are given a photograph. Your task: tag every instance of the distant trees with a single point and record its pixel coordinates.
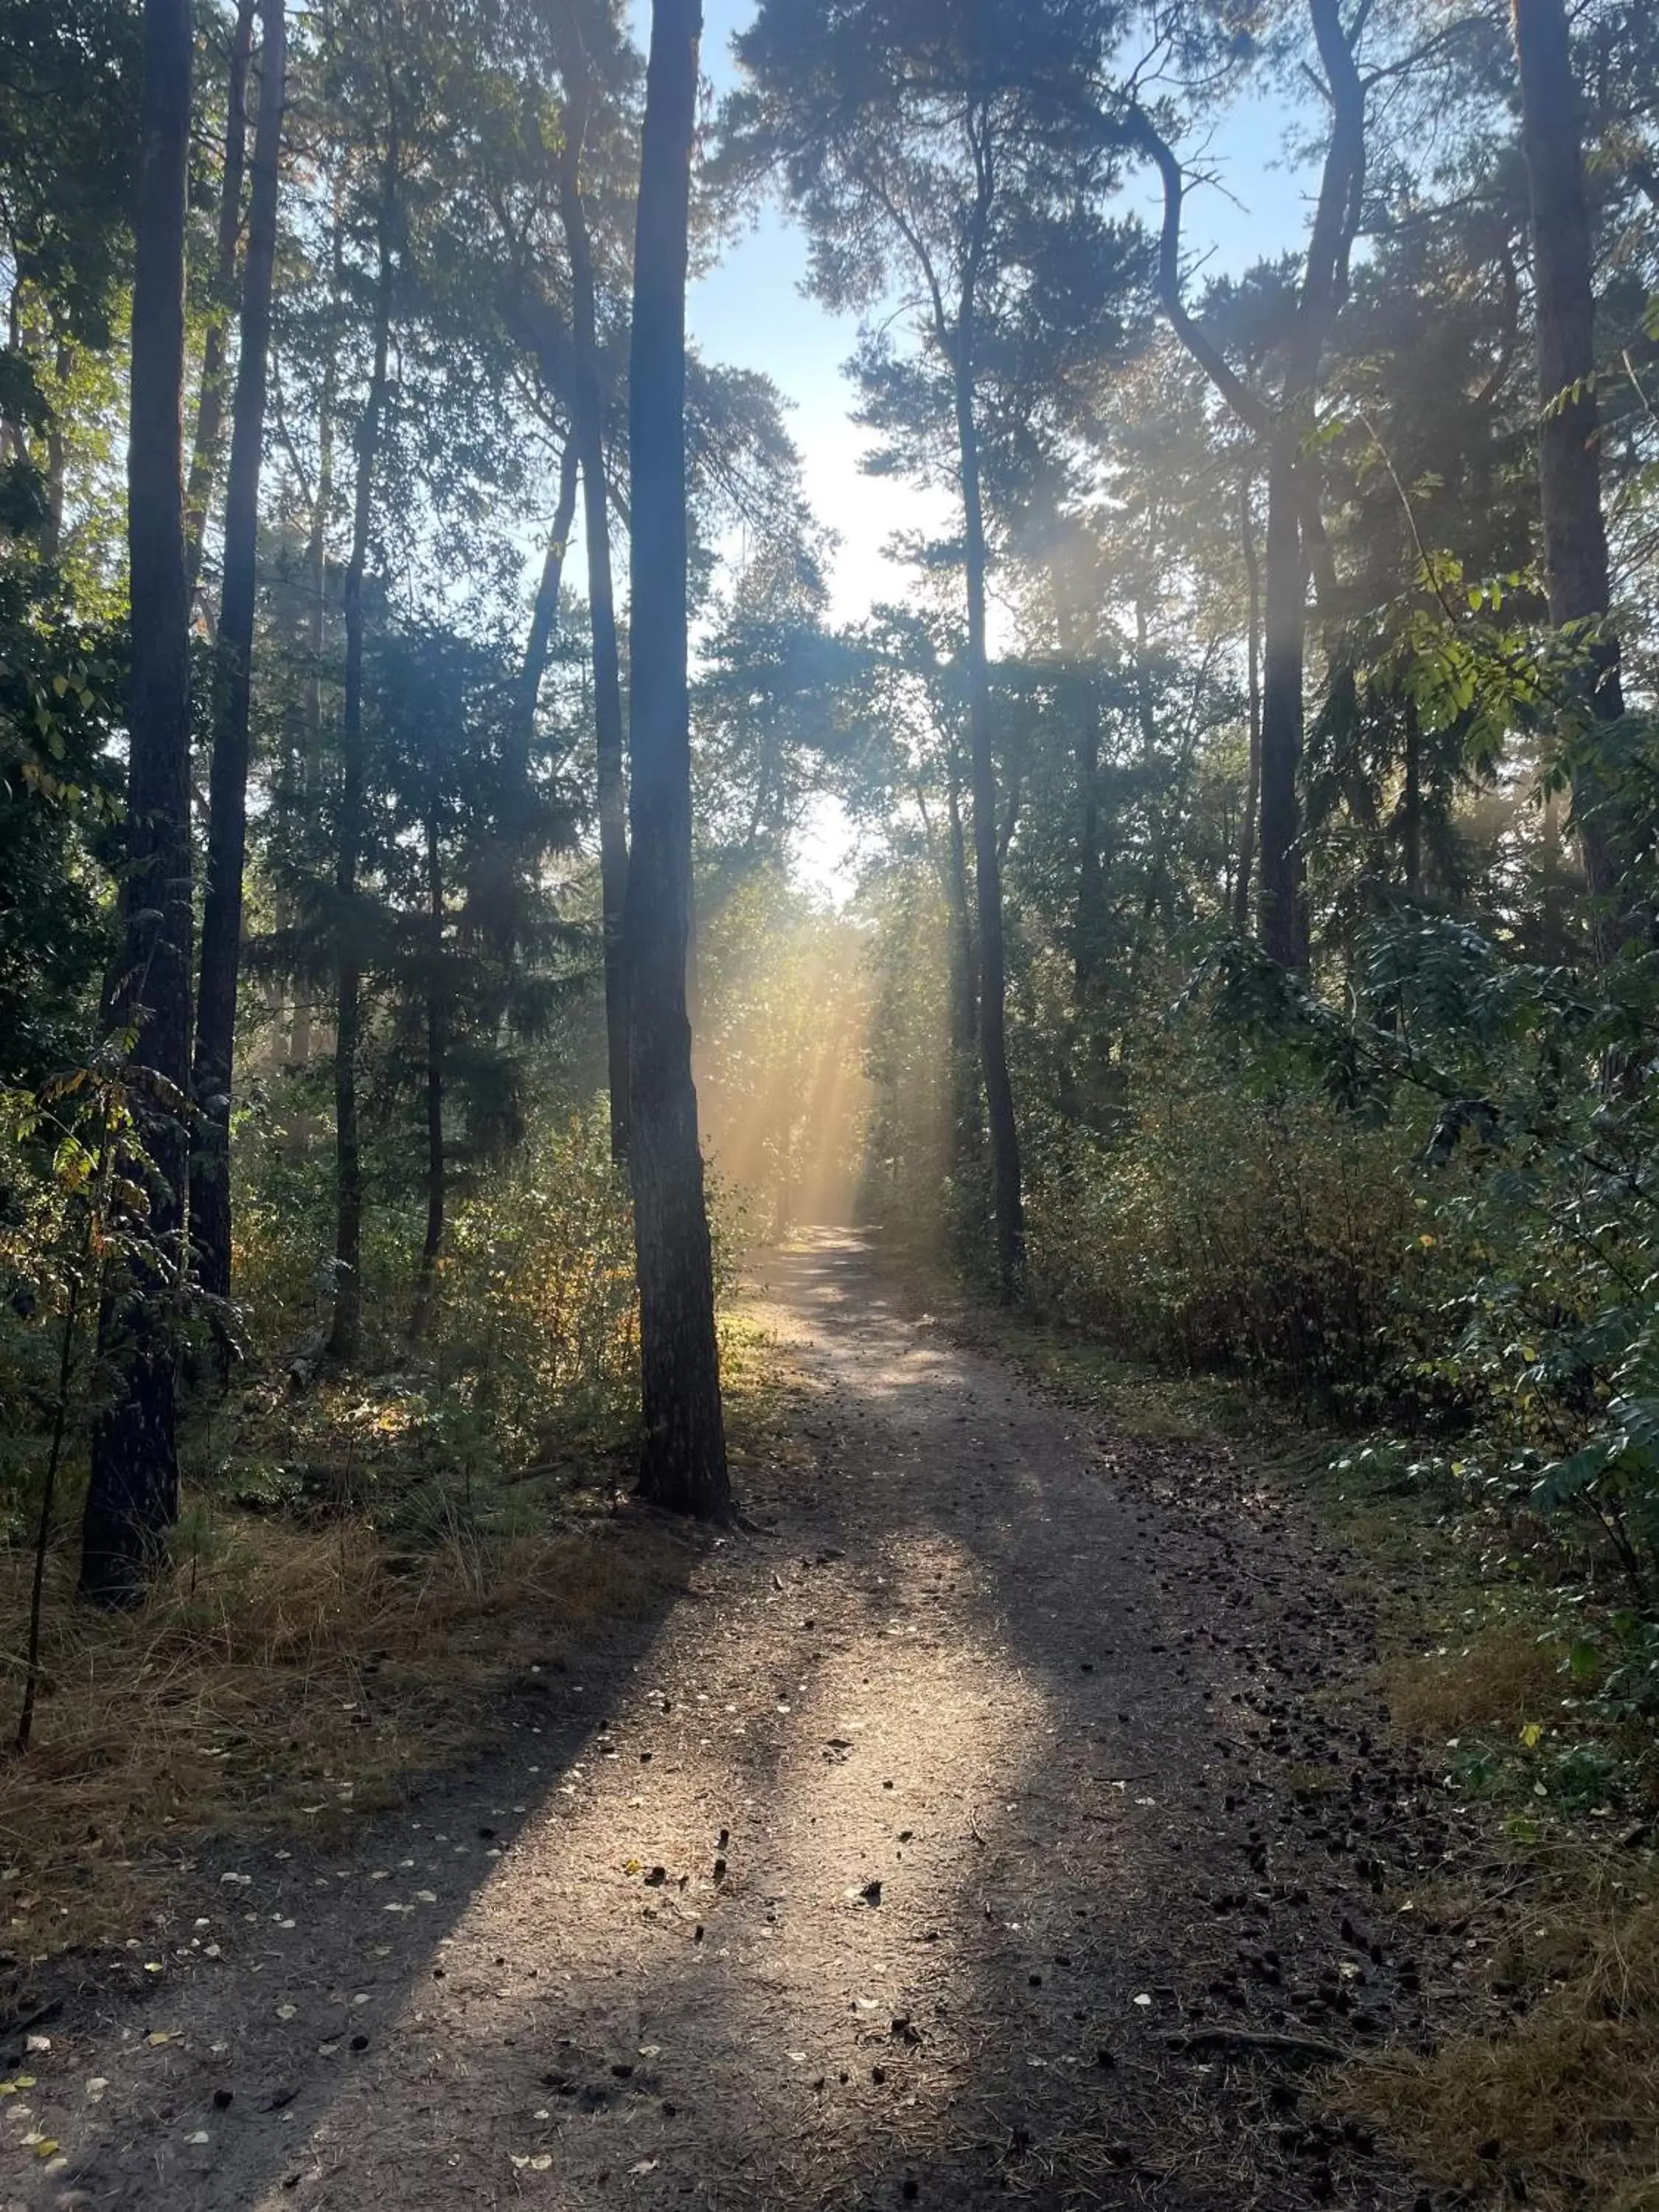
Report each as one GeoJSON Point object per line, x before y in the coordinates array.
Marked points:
{"type": "Point", "coordinates": [1284, 426]}
{"type": "Point", "coordinates": [945, 148]}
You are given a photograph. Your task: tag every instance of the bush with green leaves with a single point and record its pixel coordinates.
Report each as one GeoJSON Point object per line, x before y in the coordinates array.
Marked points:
{"type": "Point", "coordinates": [538, 1317]}
{"type": "Point", "coordinates": [1236, 1217]}
{"type": "Point", "coordinates": [1519, 1095]}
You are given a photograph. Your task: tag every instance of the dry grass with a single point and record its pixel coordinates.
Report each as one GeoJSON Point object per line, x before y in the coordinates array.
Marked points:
{"type": "Point", "coordinates": [1564, 2102]}
{"type": "Point", "coordinates": [1504, 1677]}
{"type": "Point", "coordinates": [281, 1679]}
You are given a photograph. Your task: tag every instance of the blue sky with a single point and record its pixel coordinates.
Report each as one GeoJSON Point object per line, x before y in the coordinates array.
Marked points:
{"type": "Point", "coordinates": [752, 311]}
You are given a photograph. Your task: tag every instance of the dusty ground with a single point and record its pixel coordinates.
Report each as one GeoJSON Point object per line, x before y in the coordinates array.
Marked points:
{"type": "Point", "coordinates": [951, 1840]}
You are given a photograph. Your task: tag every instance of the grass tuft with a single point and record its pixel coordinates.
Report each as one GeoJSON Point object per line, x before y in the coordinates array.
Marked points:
{"type": "Point", "coordinates": [1561, 2109]}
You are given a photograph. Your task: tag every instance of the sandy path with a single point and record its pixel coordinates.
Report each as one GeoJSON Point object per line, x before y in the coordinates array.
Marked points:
{"type": "Point", "coordinates": [884, 1870]}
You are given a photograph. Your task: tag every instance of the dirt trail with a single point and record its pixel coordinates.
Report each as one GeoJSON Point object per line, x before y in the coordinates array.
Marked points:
{"type": "Point", "coordinates": [887, 1870]}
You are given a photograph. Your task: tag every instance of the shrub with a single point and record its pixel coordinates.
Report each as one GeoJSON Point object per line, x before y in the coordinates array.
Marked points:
{"type": "Point", "coordinates": [1235, 1217]}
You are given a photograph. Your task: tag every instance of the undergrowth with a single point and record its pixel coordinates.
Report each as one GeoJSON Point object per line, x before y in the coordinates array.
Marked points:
{"type": "Point", "coordinates": [356, 1590]}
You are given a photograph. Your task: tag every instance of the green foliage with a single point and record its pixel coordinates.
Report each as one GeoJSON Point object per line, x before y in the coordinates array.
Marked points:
{"type": "Point", "coordinates": [539, 1330]}
{"type": "Point", "coordinates": [1237, 1216]}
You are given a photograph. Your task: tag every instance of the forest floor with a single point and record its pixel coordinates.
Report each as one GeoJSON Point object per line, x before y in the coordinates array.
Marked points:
{"type": "Point", "coordinates": [1000, 1815]}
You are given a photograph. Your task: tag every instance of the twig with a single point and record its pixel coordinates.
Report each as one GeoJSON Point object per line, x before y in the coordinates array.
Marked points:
{"type": "Point", "coordinates": [1498, 1896]}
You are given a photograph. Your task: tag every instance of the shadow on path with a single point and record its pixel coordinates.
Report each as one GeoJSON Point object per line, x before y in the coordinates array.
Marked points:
{"type": "Point", "coordinates": [885, 1868]}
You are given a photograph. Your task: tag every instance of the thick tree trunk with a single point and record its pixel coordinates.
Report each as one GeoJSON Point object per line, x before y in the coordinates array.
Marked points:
{"type": "Point", "coordinates": [684, 1465]}
{"type": "Point", "coordinates": [1007, 1196]}
{"type": "Point", "coordinates": [345, 1333]}
{"type": "Point", "coordinates": [1281, 917]}
{"type": "Point", "coordinates": [211, 401]}
{"type": "Point", "coordinates": [132, 1494]}
{"type": "Point", "coordinates": [1247, 835]}
{"type": "Point", "coordinates": [421, 1309]}
{"type": "Point", "coordinates": [587, 409]}
{"type": "Point", "coordinates": [1576, 564]}
{"type": "Point", "coordinates": [221, 913]}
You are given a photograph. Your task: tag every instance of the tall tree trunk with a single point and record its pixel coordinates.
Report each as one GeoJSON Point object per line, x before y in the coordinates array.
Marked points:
{"type": "Point", "coordinates": [1281, 908]}
{"type": "Point", "coordinates": [1087, 922]}
{"type": "Point", "coordinates": [967, 1131]}
{"type": "Point", "coordinates": [421, 1311]}
{"type": "Point", "coordinates": [1247, 835]}
{"type": "Point", "coordinates": [1156, 900]}
{"type": "Point", "coordinates": [222, 912]}
{"type": "Point", "coordinates": [211, 401]}
{"type": "Point", "coordinates": [1284, 917]}
{"type": "Point", "coordinates": [132, 1494]}
{"type": "Point", "coordinates": [1576, 564]}
{"type": "Point", "coordinates": [683, 1464]}
{"type": "Point", "coordinates": [1281, 917]}
{"type": "Point", "coordinates": [52, 537]}
{"type": "Point", "coordinates": [543, 619]}
{"type": "Point", "coordinates": [1412, 806]}
{"type": "Point", "coordinates": [311, 699]}
{"type": "Point", "coordinates": [345, 1333]}
{"type": "Point", "coordinates": [1007, 1196]}
{"type": "Point", "coordinates": [587, 410]}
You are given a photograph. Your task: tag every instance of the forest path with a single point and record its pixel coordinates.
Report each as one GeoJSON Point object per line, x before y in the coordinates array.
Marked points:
{"type": "Point", "coordinates": [885, 1868]}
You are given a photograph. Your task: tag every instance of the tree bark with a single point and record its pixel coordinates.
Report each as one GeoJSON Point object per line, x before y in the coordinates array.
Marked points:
{"type": "Point", "coordinates": [587, 410]}
{"type": "Point", "coordinates": [683, 1464]}
{"type": "Point", "coordinates": [311, 701]}
{"type": "Point", "coordinates": [1007, 1196]}
{"type": "Point", "coordinates": [132, 1494]}
{"type": "Point", "coordinates": [1411, 803]}
{"type": "Point", "coordinates": [51, 537]}
{"type": "Point", "coordinates": [1084, 715]}
{"type": "Point", "coordinates": [211, 402]}
{"type": "Point", "coordinates": [345, 1333]}
{"type": "Point", "coordinates": [1253, 775]}
{"type": "Point", "coordinates": [421, 1309]}
{"type": "Point", "coordinates": [1156, 897]}
{"type": "Point", "coordinates": [967, 1131]}
{"type": "Point", "coordinates": [222, 912]}
{"type": "Point", "coordinates": [1281, 918]}
{"type": "Point", "coordinates": [1576, 572]}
